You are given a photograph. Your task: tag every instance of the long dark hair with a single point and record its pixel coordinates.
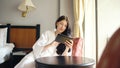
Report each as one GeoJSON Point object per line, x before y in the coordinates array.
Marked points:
{"type": "Point", "coordinates": [61, 47]}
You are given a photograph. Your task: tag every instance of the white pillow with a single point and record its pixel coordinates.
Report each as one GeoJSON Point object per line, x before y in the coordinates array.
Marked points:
{"type": "Point", "coordinates": [3, 36]}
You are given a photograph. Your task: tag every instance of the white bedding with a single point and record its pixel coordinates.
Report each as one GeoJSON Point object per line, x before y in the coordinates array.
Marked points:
{"type": "Point", "coordinates": [5, 51]}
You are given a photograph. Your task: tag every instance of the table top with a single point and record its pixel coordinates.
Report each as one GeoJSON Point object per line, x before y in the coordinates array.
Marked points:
{"type": "Point", "coordinates": [65, 61]}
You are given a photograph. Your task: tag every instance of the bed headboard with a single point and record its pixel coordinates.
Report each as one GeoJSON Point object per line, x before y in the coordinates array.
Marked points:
{"type": "Point", "coordinates": [24, 37]}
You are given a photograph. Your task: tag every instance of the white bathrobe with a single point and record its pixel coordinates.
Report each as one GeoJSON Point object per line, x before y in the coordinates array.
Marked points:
{"type": "Point", "coordinates": [29, 60]}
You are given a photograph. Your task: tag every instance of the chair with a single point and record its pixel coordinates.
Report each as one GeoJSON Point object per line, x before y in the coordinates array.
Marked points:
{"type": "Point", "coordinates": [111, 56]}
{"type": "Point", "coordinates": [77, 47]}
{"type": "Point", "coordinates": [5, 47]}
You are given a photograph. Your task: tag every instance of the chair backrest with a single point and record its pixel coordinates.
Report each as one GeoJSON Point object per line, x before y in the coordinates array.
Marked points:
{"type": "Point", "coordinates": [111, 56]}
{"type": "Point", "coordinates": [24, 36]}
{"type": "Point", "coordinates": [77, 47]}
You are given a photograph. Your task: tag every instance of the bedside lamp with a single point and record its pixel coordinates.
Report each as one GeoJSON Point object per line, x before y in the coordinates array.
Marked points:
{"type": "Point", "coordinates": [25, 7]}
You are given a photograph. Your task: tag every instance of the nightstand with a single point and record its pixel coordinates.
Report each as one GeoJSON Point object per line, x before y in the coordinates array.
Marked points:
{"type": "Point", "coordinates": [16, 57]}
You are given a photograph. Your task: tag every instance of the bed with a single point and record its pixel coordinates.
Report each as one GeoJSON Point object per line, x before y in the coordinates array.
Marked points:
{"type": "Point", "coordinates": [23, 37]}
{"type": "Point", "coordinates": [17, 39]}
{"type": "Point", "coordinates": [5, 46]}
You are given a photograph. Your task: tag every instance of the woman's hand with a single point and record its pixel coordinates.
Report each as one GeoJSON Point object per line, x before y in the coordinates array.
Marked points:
{"type": "Point", "coordinates": [54, 43]}
{"type": "Point", "coordinates": [69, 44]}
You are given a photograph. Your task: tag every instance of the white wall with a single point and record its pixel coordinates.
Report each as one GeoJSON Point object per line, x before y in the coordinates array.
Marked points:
{"type": "Point", "coordinates": [45, 14]}
{"type": "Point", "coordinates": [108, 21]}
{"type": "Point", "coordinates": [66, 8]}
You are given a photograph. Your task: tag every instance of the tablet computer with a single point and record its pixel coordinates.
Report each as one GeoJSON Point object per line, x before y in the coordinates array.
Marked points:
{"type": "Point", "coordinates": [62, 38]}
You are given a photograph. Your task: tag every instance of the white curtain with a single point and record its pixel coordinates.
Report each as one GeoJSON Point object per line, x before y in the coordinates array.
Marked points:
{"type": "Point", "coordinates": [90, 29]}
{"type": "Point", "coordinates": [78, 6]}
{"type": "Point", "coordinates": [84, 13]}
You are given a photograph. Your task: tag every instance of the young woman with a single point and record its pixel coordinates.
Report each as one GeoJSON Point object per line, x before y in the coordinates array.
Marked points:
{"type": "Point", "coordinates": [47, 46]}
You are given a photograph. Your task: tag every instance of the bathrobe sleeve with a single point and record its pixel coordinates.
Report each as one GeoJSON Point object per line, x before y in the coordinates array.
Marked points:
{"type": "Point", "coordinates": [45, 39]}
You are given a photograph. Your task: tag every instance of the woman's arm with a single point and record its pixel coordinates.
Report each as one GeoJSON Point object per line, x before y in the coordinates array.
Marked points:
{"type": "Point", "coordinates": [52, 44]}
{"type": "Point", "coordinates": [43, 47]}
{"type": "Point", "coordinates": [65, 53]}
{"type": "Point", "coordinates": [69, 45]}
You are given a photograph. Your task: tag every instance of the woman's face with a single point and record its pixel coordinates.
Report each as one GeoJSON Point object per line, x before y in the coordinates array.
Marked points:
{"type": "Point", "coordinates": [61, 26]}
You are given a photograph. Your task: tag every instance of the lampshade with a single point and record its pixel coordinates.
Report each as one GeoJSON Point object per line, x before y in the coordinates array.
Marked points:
{"type": "Point", "coordinates": [26, 6]}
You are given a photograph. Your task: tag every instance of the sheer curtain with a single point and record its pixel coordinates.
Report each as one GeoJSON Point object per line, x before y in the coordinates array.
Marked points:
{"type": "Point", "coordinates": [90, 29]}
{"type": "Point", "coordinates": [84, 13]}
{"type": "Point", "coordinates": [78, 6]}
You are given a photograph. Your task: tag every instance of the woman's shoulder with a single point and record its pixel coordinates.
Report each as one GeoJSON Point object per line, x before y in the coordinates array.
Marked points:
{"type": "Point", "coordinates": [49, 32]}
{"type": "Point", "coordinates": [49, 35]}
